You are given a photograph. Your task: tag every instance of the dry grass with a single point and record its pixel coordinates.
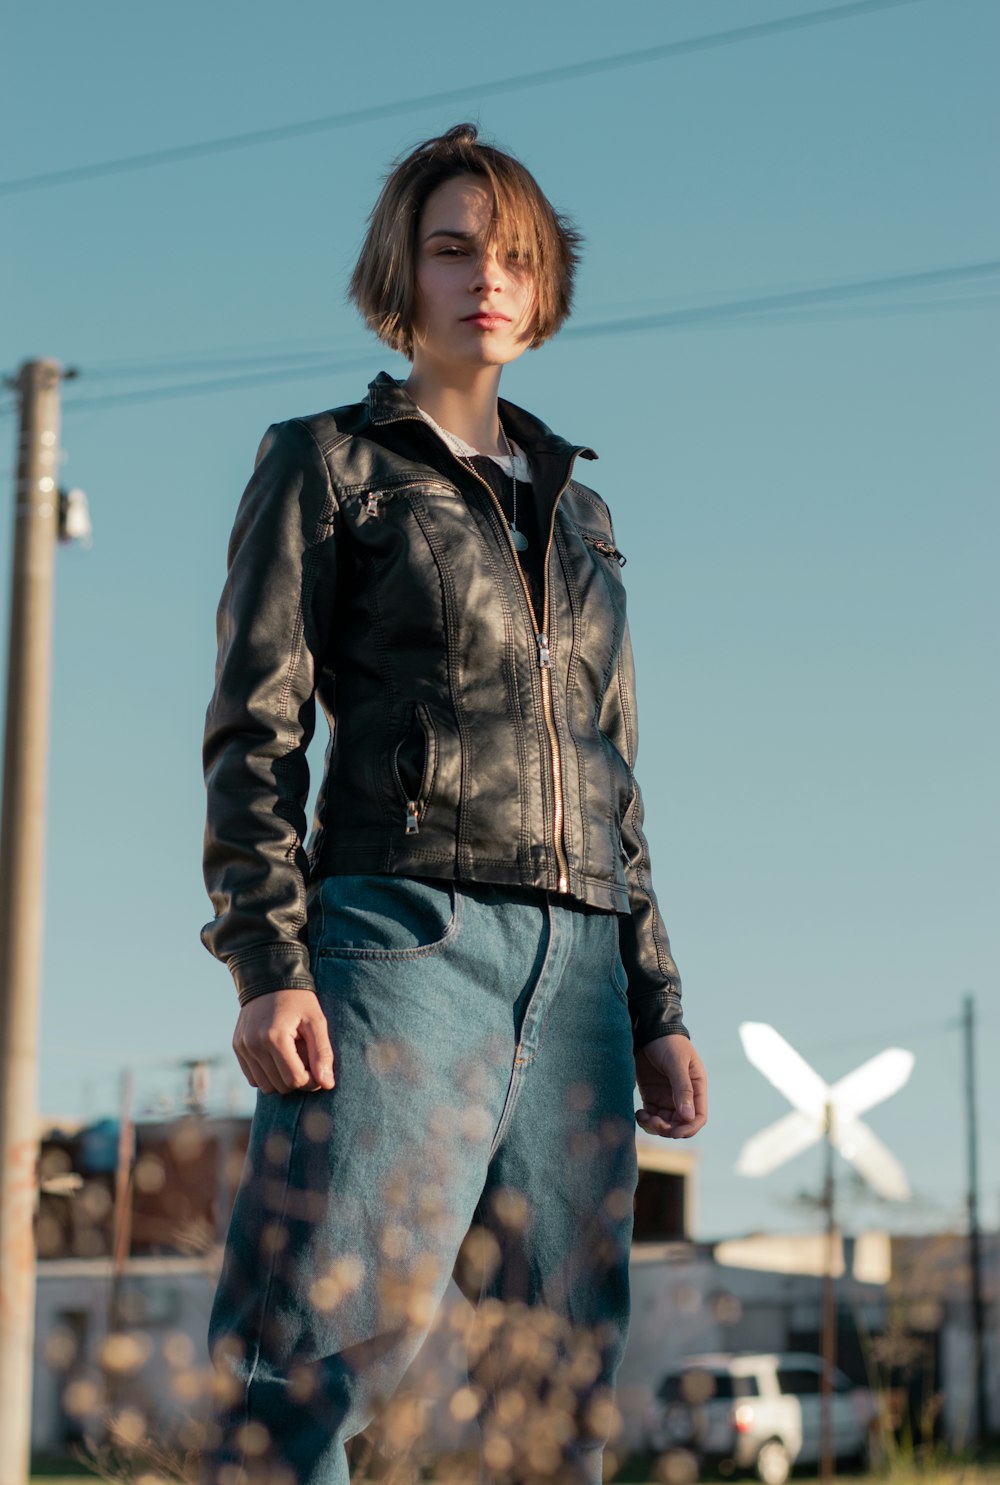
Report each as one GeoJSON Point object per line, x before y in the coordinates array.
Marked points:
{"type": "Point", "coordinates": [939, 1473]}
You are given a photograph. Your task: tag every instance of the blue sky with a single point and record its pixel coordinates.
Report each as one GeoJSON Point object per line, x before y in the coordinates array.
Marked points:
{"type": "Point", "coordinates": [806, 494]}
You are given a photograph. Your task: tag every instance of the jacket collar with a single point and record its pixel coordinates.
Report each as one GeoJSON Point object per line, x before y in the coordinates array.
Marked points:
{"type": "Point", "coordinates": [388, 401]}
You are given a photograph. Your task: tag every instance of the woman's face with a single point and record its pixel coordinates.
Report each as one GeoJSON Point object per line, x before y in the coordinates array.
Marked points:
{"type": "Point", "coordinates": [471, 309]}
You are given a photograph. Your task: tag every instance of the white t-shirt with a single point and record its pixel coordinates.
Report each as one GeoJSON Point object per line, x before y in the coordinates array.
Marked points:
{"type": "Point", "coordinates": [517, 466]}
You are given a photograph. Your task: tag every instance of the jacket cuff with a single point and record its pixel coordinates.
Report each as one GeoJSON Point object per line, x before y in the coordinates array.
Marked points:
{"type": "Point", "coordinates": [270, 967]}
{"type": "Point", "coordinates": [653, 1017]}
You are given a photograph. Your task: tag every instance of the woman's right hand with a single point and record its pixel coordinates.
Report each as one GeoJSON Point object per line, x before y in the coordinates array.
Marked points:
{"type": "Point", "coordinates": [282, 1043]}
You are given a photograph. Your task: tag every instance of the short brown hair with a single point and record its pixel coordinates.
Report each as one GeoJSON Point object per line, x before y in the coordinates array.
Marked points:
{"type": "Point", "coordinates": [383, 284]}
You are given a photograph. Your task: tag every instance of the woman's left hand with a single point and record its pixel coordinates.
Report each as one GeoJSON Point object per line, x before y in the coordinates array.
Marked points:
{"type": "Point", "coordinates": [674, 1087]}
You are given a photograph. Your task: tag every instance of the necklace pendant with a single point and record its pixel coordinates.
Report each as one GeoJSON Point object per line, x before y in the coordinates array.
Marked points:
{"type": "Point", "coordinates": [518, 538]}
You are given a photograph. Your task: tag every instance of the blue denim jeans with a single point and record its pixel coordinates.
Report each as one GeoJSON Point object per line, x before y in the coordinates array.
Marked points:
{"type": "Point", "coordinates": [482, 1125]}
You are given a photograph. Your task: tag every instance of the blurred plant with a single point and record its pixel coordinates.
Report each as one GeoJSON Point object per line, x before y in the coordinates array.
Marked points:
{"type": "Point", "coordinates": [900, 1360]}
{"type": "Point", "coordinates": [533, 1382]}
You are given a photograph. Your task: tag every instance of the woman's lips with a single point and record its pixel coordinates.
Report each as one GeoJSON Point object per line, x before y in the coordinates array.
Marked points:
{"type": "Point", "coordinates": [486, 322]}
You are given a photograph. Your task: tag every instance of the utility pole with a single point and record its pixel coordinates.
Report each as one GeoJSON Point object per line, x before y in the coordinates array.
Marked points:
{"type": "Point", "coordinates": [36, 530]}
{"type": "Point", "coordinates": [975, 1255]}
{"type": "Point", "coordinates": [122, 1224]}
{"type": "Point", "coordinates": [831, 1114]}
{"type": "Point", "coordinates": [829, 1302]}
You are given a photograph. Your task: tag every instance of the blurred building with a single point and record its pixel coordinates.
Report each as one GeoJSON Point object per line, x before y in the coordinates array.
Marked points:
{"type": "Point", "coordinates": [182, 1178]}
{"type": "Point", "coordinates": [128, 1333]}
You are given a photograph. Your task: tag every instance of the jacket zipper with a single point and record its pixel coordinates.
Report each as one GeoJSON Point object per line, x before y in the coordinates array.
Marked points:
{"type": "Point", "coordinates": [376, 499]}
{"type": "Point", "coordinates": [416, 808]}
{"type": "Point", "coordinates": [544, 657]}
{"type": "Point", "coordinates": [606, 549]}
{"type": "Point", "coordinates": [545, 676]}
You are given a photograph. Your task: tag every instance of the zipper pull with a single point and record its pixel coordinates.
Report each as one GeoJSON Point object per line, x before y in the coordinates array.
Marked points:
{"type": "Point", "coordinates": [413, 817]}
{"type": "Point", "coordinates": [544, 658]}
{"type": "Point", "coordinates": [372, 504]}
{"type": "Point", "coordinates": [608, 550]}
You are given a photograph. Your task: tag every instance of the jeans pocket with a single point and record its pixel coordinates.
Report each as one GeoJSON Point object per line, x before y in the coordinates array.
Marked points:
{"type": "Point", "coordinates": [385, 917]}
{"type": "Point", "coordinates": [619, 979]}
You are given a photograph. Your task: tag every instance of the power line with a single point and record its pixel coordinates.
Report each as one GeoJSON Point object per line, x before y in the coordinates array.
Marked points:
{"type": "Point", "coordinates": [792, 299]}
{"type": "Point", "coordinates": [221, 384]}
{"type": "Point", "coordinates": [228, 359]}
{"type": "Point", "coordinates": [837, 312]}
{"type": "Point", "coordinates": [293, 363]}
{"type": "Point", "coordinates": [297, 353]}
{"type": "Point", "coordinates": [920, 1030]}
{"type": "Point", "coordinates": [303, 355]}
{"type": "Point", "coordinates": [746, 309]}
{"type": "Point", "coordinates": [250, 139]}
{"type": "Point", "coordinates": [786, 306]}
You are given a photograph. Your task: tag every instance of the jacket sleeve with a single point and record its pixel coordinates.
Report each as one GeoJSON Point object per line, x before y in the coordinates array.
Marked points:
{"type": "Point", "coordinates": [272, 625]}
{"type": "Point", "coordinates": [654, 986]}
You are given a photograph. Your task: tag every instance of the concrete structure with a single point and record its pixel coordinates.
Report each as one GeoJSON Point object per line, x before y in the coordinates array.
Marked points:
{"type": "Point", "coordinates": [899, 1298]}
{"type": "Point", "coordinates": [151, 1365]}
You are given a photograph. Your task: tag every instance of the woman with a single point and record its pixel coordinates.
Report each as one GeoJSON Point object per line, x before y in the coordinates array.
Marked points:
{"type": "Point", "coordinates": [448, 996]}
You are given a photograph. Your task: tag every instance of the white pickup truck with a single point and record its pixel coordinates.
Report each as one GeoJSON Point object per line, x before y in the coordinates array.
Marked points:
{"type": "Point", "coordinates": [760, 1413]}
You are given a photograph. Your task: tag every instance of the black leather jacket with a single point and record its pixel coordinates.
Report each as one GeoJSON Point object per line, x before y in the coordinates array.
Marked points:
{"type": "Point", "coordinates": [470, 737]}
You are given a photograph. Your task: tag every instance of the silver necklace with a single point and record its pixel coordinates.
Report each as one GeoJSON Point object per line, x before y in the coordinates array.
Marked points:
{"type": "Point", "coordinates": [517, 537]}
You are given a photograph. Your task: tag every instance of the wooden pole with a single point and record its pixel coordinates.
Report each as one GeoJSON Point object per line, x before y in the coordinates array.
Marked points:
{"type": "Point", "coordinates": [22, 841]}
{"type": "Point", "coordinates": [122, 1239]}
{"type": "Point", "coordinates": [980, 1422]}
{"type": "Point", "coordinates": [829, 1309]}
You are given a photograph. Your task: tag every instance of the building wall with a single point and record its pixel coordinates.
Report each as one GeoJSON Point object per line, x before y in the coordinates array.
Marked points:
{"type": "Point", "coordinates": [682, 1303]}
{"type": "Point", "coordinates": [155, 1365]}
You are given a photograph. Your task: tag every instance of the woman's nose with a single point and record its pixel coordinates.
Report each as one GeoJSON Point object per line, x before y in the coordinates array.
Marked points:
{"type": "Point", "coordinates": [487, 273]}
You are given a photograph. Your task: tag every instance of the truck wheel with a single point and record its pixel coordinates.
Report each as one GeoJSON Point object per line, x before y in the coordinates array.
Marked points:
{"type": "Point", "coordinates": [773, 1465]}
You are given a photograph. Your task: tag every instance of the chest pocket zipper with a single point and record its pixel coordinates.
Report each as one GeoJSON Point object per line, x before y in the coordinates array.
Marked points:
{"type": "Point", "coordinates": [606, 548]}
{"type": "Point", "coordinates": [373, 501]}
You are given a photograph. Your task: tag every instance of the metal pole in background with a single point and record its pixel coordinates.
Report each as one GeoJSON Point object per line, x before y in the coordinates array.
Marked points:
{"type": "Point", "coordinates": [829, 1306]}
{"type": "Point", "coordinates": [981, 1426]}
{"type": "Point", "coordinates": [22, 842]}
{"type": "Point", "coordinates": [122, 1224]}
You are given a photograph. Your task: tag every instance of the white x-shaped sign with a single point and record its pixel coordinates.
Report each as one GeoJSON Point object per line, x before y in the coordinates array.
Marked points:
{"type": "Point", "coordinates": [867, 1085]}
